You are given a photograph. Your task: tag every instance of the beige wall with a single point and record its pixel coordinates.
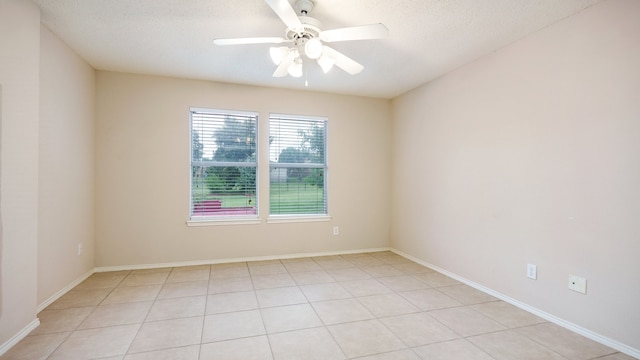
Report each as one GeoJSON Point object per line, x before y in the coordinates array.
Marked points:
{"type": "Point", "coordinates": [532, 155]}
{"type": "Point", "coordinates": [142, 172]}
{"type": "Point", "coordinates": [66, 167]}
{"type": "Point", "coordinates": [19, 99]}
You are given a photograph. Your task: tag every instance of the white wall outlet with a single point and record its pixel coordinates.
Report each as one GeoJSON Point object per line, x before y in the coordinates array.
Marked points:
{"type": "Point", "coordinates": [577, 283]}
{"type": "Point", "coordinates": [532, 271]}
{"type": "Point", "coordinates": [336, 231]}
{"type": "Point", "coordinates": [80, 249]}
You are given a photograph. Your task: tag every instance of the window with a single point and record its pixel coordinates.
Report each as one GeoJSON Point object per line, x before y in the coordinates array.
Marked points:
{"type": "Point", "coordinates": [297, 157]}
{"type": "Point", "coordinates": [223, 164]}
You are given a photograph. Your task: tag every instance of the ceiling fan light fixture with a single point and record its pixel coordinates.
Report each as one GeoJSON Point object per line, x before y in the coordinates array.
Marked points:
{"type": "Point", "coordinates": [306, 40]}
{"type": "Point", "coordinates": [295, 69]}
{"type": "Point", "coordinates": [313, 48]}
{"type": "Point", "coordinates": [278, 54]}
{"type": "Point", "coordinates": [326, 63]}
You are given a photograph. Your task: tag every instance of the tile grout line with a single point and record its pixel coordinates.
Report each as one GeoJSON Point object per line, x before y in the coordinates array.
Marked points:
{"type": "Point", "coordinates": [298, 287]}
{"type": "Point", "coordinates": [144, 320]}
{"type": "Point", "coordinates": [85, 319]}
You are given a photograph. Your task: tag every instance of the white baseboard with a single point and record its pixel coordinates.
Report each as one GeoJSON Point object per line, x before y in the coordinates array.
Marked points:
{"type": "Point", "coordinates": [64, 290]}
{"type": "Point", "coordinates": [233, 260]}
{"type": "Point", "coordinates": [19, 336]}
{"type": "Point", "coordinates": [24, 332]}
{"type": "Point", "coordinates": [623, 348]}
{"type": "Point", "coordinates": [549, 317]}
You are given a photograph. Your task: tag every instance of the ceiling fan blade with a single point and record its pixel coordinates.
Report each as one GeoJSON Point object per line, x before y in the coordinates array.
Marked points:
{"type": "Point", "coordinates": [283, 68]}
{"type": "Point", "coordinates": [363, 32]}
{"type": "Point", "coordinates": [250, 40]}
{"type": "Point", "coordinates": [286, 13]}
{"type": "Point", "coordinates": [342, 61]}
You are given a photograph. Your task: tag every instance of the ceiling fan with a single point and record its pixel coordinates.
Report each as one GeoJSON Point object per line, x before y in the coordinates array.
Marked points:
{"type": "Point", "coordinates": [305, 38]}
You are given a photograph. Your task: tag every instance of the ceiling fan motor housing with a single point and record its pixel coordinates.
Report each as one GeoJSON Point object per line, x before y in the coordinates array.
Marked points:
{"type": "Point", "coordinates": [310, 30]}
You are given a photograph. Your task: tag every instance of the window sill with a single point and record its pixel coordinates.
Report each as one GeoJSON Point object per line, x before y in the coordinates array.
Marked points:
{"type": "Point", "coordinates": [223, 221]}
{"type": "Point", "coordinates": [297, 219]}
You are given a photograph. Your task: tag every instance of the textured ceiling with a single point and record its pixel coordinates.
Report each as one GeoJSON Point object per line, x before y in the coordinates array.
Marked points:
{"type": "Point", "coordinates": [174, 37]}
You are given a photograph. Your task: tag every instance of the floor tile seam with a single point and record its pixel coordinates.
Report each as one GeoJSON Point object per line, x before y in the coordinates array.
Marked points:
{"type": "Point", "coordinates": [494, 299]}
{"type": "Point", "coordinates": [140, 285]}
{"type": "Point", "coordinates": [351, 321]}
{"type": "Point", "coordinates": [109, 326]}
{"type": "Point", "coordinates": [402, 294]}
{"type": "Point", "coordinates": [128, 346]}
{"type": "Point", "coordinates": [418, 311]}
{"type": "Point", "coordinates": [180, 296]}
{"type": "Point", "coordinates": [137, 332]}
{"type": "Point", "coordinates": [309, 285]}
{"type": "Point", "coordinates": [121, 280]}
{"type": "Point", "coordinates": [184, 281]}
{"type": "Point", "coordinates": [506, 325]}
{"type": "Point", "coordinates": [465, 339]}
{"type": "Point", "coordinates": [327, 325]}
{"type": "Point", "coordinates": [552, 350]}
{"type": "Point", "coordinates": [315, 283]}
{"type": "Point", "coordinates": [154, 300]}
{"type": "Point", "coordinates": [147, 320]}
{"type": "Point", "coordinates": [469, 337]}
{"type": "Point", "coordinates": [394, 334]}
{"type": "Point", "coordinates": [233, 311]}
{"type": "Point", "coordinates": [241, 291]}
{"type": "Point", "coordinates": [434, 286]}
{"type": "Point", "coordinates": [101, 302]}
{"type": "Point", "coordinates": [369, 310]}
{"type": "Point", "coordinates": [206, 303]}
{"type": "Point", "coordinates": [127, 302]}
{"type": "Point", "coordinates": [257, 277]}
{"type": "Point", "coordinates": [457, 339]}
{"type": "Point", "coordinates": [387, 352]}
{"type": "Point", "coordinates": [460, 336]}
{"type": "Point", "coordinates": [32, 335]}
{"type": "Point", "coordinates": [182, 268]}
{"type": "Point", "coordinates": [203, 342]}
{"type": "Point", "coordinates": [270, 346]}
{"type": "Point", "coordinates": [472, 309]}
{"type": "Point", "coordinates": [316, 327]}
{"type": "Point", "coordinates": [153, 282]}
{"type": "Point", "coordinates": [322, 321]}
{"type": "Point", "coordinates": [294, 330]}
{"type": "Point", "coordinates": [260, 307]}
{"type": "Point", "coordinates": [204, 317]}
{"type": "Point", "coordinates": [128, 352]}
{"type": "Point", "coordinates": [615, 353]}
{"type": "Point", "coordinates": [451, 297]}
{"type": "Point", "coordinates": [151, 351]}
{"type": "Point", "coordinates": [326, 328]}
{"type": "Point", "coordinates": [476, 303]}
{"type": "Point", "coordinates": [60, 344]}
{"type": "Point", "coordinates": [228, 277]}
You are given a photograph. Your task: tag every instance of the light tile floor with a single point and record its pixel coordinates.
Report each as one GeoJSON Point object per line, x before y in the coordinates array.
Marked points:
{"type": "Point", "coordinates": [361, 306]}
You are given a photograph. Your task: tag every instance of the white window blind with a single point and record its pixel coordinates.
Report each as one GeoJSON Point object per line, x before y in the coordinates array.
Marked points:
{"type": "Point", "coordinates": [297, 157]}
{"type": "Point", "coordinates": [223, 164]}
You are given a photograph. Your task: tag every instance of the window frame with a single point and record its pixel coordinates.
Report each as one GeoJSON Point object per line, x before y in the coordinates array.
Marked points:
{"type": "Point", "coordinates": [278, 218]}
{"type": "Point", "coordinates": [224, 219]}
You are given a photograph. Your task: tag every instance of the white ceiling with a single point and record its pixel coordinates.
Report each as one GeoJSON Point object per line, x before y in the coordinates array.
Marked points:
{"type": "Point", "coordinates": [174, 37]}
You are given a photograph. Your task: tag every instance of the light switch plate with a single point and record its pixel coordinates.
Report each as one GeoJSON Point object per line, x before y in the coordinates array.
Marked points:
{"type": "Point", "coordinates": [532, 271]}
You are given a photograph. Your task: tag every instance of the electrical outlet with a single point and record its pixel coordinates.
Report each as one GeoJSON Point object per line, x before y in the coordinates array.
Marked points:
{"type": "Point", "coordinates": [532, 271]}
{"type": "Point", "coordinates": [80, 249]}
{"type": "Point", "coordinates": [336, 231]}
{"type": "Point", "coordinates": [578, 284]}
